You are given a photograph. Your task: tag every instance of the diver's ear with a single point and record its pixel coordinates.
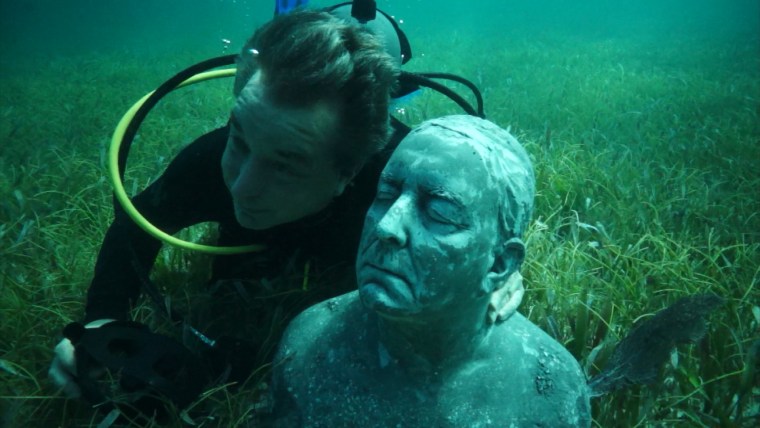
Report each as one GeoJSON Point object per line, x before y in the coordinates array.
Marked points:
{"type": "Point", "coordinates": [507, 259]}
{"type": "Point", "coordinates": [343, 182]}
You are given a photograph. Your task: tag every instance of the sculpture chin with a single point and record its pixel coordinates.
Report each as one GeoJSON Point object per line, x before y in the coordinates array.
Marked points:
{"type": "Point", "coordinates": [383, 300]}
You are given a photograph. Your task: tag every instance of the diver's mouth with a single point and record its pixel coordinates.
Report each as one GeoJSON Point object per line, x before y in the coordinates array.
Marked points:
{"type": "Point", "coordinates": [255, 219]}
{"type": "Point", "coordinates": [248, 212]}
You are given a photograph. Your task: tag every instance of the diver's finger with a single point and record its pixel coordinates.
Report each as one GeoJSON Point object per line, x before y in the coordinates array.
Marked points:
{"type": "Point", "coordinates": [64, 379]}
{"type": "Point", "coordinates": [511, 299]}
{"type": "Point", "coordinates": [515, 282]}
{"type": "Point", "coordinates": [508, 309]}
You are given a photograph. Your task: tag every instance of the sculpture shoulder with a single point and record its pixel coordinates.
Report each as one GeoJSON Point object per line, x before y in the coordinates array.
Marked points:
{"type": "Point", "coordinates": [324, 324]}
{"type": "Point", "coordinates": [529, 364]}
{"type": "Point", "coordinates": [518, 333]}
{"type": "Point", "coordinates": [322, 355]}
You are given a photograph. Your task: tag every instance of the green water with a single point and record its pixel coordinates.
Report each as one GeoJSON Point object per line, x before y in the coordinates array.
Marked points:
{"type": "Point", "coordinates": [77, 26]}
{"type": "Point", "coordinates": [643, 120]}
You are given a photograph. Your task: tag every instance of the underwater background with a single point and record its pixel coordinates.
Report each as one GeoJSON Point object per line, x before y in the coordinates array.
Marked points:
{"type": "Point", "coordinates": [642, 119]}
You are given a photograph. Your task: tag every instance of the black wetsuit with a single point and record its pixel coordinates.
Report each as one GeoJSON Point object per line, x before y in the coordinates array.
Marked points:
{"type": "Point", "coordinates": [192, 191]}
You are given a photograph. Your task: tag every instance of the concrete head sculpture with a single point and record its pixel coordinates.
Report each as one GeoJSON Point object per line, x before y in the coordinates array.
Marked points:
{"type": "Point", "coordinates": [412, 347]}
{"type": "Point", "coordinates": [451, 207]}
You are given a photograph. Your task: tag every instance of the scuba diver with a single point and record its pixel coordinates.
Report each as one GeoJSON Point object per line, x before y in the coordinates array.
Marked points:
{"type": "Point", "coordinates": [294, 169]}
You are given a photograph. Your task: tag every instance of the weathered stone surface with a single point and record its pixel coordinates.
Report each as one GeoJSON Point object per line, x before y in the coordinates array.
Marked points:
{"type": "Point", "coordinates": [415, 346]}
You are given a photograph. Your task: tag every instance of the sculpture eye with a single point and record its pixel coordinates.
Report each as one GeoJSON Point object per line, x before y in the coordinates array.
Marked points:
{"type": "Point", "coordinates": [386, 192]}
{"type": "Point", "coordinates": [445, 212]}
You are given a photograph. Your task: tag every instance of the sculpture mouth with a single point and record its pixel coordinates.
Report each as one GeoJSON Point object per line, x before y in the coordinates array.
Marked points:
{"type": "Point", "coordinates": [386, 271]}
{"type": "Point", "coordinates": [386, 278]}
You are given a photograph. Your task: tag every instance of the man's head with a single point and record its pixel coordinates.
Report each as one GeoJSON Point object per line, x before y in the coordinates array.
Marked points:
{"type": "Point", "coordinates": [445, 228]}
{"type": "Point", "coordinates": [309, 56]}
{"type": "Point", "coordinates": [312, 95]}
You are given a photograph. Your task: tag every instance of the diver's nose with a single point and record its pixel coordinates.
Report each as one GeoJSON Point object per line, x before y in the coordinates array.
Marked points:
{"type": "Point", "coordinates": [393, 227]}
{"type": "Point", "coordinates": [249, 183]}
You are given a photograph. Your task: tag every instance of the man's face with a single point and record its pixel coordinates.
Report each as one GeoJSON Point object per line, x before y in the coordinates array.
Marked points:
{"type": "Point", "coordinates": [278, 163]}
{"type": "Point", "coordinates": [429, 236]}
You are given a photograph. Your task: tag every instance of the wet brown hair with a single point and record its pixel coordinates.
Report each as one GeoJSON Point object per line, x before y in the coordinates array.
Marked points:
{"type": "Point", "coordinates": [306, 56]}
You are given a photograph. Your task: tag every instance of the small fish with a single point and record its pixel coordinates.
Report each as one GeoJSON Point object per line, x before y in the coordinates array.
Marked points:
{"type": "Point", "coordinates": [639, 356]}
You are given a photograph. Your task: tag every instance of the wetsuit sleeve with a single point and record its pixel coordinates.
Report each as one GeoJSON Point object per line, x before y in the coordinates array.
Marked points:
{"type": "Point", "coordinates": [190, 191]}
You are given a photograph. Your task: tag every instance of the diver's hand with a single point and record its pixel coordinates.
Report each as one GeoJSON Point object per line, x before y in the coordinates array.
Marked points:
{"type": "Point", "coordinates": [504, 301]}
{"type": "Point", "coordinates": [63, 369]}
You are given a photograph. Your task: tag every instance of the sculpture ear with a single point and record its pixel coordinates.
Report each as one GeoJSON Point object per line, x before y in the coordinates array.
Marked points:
{"type": "Point", "coordinates": [506, 261]}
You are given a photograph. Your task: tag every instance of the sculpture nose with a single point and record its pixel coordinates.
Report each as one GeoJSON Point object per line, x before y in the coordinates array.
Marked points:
{"type": "Point", "coordinates": [393, 226]}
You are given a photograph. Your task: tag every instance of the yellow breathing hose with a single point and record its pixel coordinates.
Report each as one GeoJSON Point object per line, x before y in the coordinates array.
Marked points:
{"type": "Point", "coordinates": [121, 193]}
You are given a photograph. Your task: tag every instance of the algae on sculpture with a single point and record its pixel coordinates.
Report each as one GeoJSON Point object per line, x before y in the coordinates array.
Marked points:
{"type": "Point", "coordinates": [413, 346]}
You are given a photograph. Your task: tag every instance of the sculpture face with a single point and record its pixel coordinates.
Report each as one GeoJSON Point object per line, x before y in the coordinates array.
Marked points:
{"type": "Point", "coordinates": [429, 236]}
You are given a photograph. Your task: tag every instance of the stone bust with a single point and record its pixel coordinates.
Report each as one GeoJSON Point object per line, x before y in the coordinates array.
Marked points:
{"type": "Point", "coordinates": [413, 346]}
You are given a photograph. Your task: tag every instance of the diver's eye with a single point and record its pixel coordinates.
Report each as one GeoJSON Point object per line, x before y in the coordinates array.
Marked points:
{"type": "Point", "coordinates": [386, 192]}
{"type": "Point", "coordinates": [283, 168]}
